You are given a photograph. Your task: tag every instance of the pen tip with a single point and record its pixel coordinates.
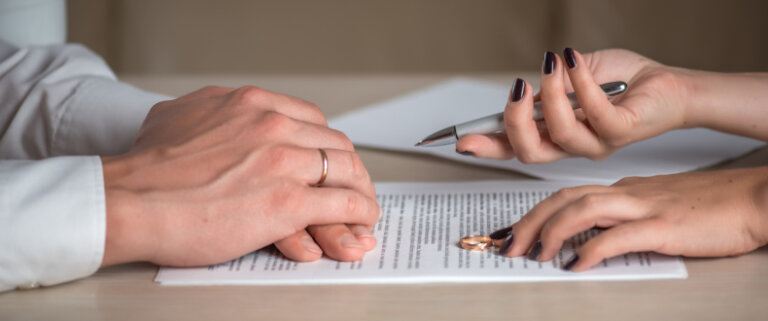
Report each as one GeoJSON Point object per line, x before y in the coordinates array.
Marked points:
{"type": "Point", "coordinates": [421, 142]}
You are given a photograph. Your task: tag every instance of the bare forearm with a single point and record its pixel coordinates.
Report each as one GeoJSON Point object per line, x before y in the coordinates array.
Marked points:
{"type": "Point", "coordinates": [735, 103]}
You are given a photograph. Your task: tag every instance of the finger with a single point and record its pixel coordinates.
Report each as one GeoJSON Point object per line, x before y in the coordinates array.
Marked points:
{"type": "Point", "coordinates": [278, 127]}
{"type": "Point", "coordinates": [486, 146]}
{"type": "Point", "coordinates": [291, 106]}
{"type": "Point", "coordinates": [638, 236]}
{"type": "Point", "coordinates": [526, 231]}
{"type": "Point", "coordinates": [343, 243]}
{"type": "Point", "coordinates": [604, 118]}
{"type": "Point", "coordinates": [322, 206]}
{"type": "Point", "coordinates": [564, 128]}
{"type": "Point", "coordinates": [522, 131]}
{"type": "Point", "coordinates": [344, 169]}
{"type": "Point", "coordinates": [591, 210]}
{"type": "Point", "coordinates": [299, 247]}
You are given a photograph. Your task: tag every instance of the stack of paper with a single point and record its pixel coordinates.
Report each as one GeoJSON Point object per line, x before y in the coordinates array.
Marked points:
{"type": "Point", "coordinates": [418, 239]}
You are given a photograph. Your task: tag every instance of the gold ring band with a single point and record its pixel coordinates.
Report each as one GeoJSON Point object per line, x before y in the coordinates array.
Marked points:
{"type": "Point", "coordinates": [476, 243]}
{"type": "Point", "coordinates": [325, 167]}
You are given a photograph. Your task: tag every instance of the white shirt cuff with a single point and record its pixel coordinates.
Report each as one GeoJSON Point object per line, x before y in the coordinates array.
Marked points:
{"type": "Point", "coordinates": [54, 220]}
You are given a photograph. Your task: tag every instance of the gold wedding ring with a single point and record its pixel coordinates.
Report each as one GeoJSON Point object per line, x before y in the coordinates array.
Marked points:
{"type": "Point", "coordinates": [325, 167]}
{"type": "Point", "coordinates": [476, 243]}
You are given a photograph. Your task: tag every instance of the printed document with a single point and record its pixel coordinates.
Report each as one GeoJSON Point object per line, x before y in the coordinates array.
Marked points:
{"type": "Point", "coordinates": [399, 123]}
{"type": "Point", "coordinates": [418, 237]}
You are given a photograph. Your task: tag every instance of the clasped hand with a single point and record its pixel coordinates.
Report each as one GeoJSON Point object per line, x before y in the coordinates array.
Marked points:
{"type": "Point", "coordinates": [221, 172]}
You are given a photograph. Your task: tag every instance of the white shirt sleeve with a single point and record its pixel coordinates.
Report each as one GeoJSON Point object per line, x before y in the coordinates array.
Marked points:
{"type": "Point", "coordinates": [55, 101]}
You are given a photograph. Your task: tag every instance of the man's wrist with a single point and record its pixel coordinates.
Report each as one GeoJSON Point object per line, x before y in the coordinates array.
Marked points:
{"type": "Point", "coordinates": [127, 234]}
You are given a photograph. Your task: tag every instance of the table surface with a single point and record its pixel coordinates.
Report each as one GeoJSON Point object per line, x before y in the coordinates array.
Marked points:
{"type": "Point", "coordinates": [716, 289]}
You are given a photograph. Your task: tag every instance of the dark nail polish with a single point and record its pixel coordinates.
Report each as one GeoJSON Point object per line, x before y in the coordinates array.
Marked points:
{"type": "Point", "coordinates": [549, 63]}
{"type": "Point", "coordinates": [507, 244]}
{"type": "Point", "coordinates": [501, 234]}
{"type": "Point", "coordinates": [535, 251]}
{"type": "Point", "coordinates": [568, 266]}
{"type": "Point", "coordinates": [518, 89]}
{"type": "Point", "coordinates": [569, 58]}
{"type": "Point", "coordinates": [466, 153]}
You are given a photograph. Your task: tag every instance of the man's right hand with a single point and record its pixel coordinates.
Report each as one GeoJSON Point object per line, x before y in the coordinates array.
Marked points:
{"type": "Point", "coordinates": [221, 172]}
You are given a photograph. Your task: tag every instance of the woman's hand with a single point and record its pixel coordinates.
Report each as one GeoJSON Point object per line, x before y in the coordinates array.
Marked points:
{"type": "Point", "coordinates": [703, 214]}
{"type": "Point", "coordinates": [222, 172]}
{"type": "Point", "coordinates": [653, 104]}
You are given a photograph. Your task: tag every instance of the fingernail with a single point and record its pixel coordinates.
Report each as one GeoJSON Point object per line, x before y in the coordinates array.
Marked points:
{"type": "Point", "coordinates": [466, 153]}
{"type": "Point", "coordinates": [571, 262]}
{"type": "Point", "coordinates": [349, 240]}
{"type": "Point", "coordinates": [361, 231]}
{"type": "Point", "coordinates": [569, 58]}
{"type": "Point", "coordinates": [535, 251]}
{"type": "Point", "coordinates": [518, 89]}
{"type": "Point", "coordinates": [310, 245]}
{"type": "Point", "coordinates": [549, 63]}
{"type": "Point", "coordinates": [502, 233]}
{"type": "Point", "coordinates": [507, 244]}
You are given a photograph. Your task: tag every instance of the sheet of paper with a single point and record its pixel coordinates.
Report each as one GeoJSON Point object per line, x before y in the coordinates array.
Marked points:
{"type": "Point", "coordinates": [418, 237]}
{"type": "Point", "coordinates": [399, 123]}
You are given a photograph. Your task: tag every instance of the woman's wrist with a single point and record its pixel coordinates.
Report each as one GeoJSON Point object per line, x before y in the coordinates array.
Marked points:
{"type": "Point", "coordinates": [728, 102]}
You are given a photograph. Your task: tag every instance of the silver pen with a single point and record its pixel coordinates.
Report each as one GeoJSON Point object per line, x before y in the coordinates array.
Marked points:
{"type": "Point", "coordinates": [495, 123]}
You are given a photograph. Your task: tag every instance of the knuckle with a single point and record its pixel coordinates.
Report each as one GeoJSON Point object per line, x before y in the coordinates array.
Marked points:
{"type": "Point", "coordinates": [344, 139]}
{"type": "Point", "coordinates": [548, 232]}
{"type": "Point", "coordinates": [210, 88]}
{"type": "Point", "coordinates": [590, 201]}
{"type": "Point", "coordinates": [281, 157]}
{"type": "Point", "coordinates": [615, 139]}
{"type": "Point", "coordinates": [316, 112]}
{"type": "Point", "coordinates": [354, 204]}
{"type": "Point", "coordinates": [248, 95]}
{"type": "Point", "coordinates": [566, 193]}
{"type": "Point", "coordinates": [356, 169]}
{"type": "Point", "coordinates": [275, 122]}
{"type": "Point", "coordinates": [563, 137]}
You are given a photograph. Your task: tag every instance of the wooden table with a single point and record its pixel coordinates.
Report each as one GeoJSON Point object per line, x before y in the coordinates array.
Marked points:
{"type": "Point", "coordinates": [717, 289]}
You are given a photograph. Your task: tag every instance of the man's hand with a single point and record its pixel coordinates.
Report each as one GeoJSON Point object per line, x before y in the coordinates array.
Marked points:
{"type": "Point", "coordinates": [222, 172]}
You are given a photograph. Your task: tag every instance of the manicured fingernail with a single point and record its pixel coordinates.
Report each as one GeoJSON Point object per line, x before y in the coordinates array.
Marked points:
{"type": "Point", "coordinates": [535, 251]}
{"type": "Point", "coordinates": [349, 240]}
{"type": "Point", "coordinates": [518, 89]}
{"type": "Point", "coordinates": [310, 245]}
{"type": "Point", "coordinates": [548, 66]}
{"type": "Point", "coordinates": [502, 233]}
{"type": "Point", "coordinates": [504, 249]}
{"type": "Point", "coordinates": [571, 262]}
{"type": "Point", "coordinates": [569, 58]}
{"type": "Point", "coordinates": [361, 231]}
{"type": "Point", "coordinates": [466, 153]}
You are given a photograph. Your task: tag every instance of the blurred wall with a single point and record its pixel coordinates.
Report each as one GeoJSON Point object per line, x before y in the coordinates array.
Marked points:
{"type": "Point", "coordinates": [346, 36]}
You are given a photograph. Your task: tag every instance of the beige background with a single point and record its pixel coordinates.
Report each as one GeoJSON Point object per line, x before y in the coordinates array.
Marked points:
{"type": "Point", "coordinates": [346, 36]}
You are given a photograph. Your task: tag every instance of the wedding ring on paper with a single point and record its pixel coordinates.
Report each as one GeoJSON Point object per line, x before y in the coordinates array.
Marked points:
{"type": "Point", "coordinates": [476, 243]}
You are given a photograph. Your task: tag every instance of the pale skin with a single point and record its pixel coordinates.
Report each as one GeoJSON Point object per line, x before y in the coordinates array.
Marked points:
{"type": "Point", "coordinates": [221, 172]}
{"type": "Point", "coordinates": [701, 214]}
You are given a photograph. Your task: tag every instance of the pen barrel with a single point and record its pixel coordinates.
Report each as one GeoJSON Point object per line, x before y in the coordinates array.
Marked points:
{"type": "Point", "coordinates": [486, 125]}
{"type": "Point", "coordinates": [495, 123]}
